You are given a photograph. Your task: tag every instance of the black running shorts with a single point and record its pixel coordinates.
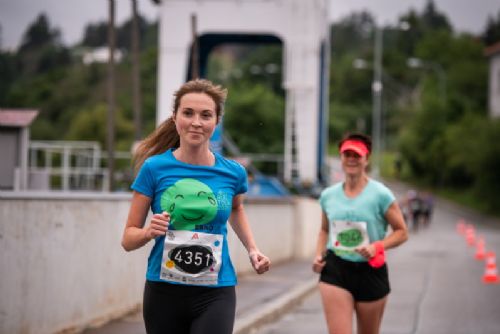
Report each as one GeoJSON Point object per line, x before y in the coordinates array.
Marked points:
{"type": "Point", "coordinates": [364, 282]}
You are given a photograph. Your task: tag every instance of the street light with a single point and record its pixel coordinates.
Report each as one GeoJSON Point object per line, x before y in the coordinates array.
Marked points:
{"type": "Point", "coordinates": [359, 64]}
{"type": "Point", "coordinates": [377, 88]}
{"type": "Point", "coordinates": [377, 91]}
{"type": "Point", "coordinates": [436, 67]}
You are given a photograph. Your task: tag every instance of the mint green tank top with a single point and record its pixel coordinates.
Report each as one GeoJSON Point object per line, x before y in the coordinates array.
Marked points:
{"type": "Point", "coordinates": [368, 208]}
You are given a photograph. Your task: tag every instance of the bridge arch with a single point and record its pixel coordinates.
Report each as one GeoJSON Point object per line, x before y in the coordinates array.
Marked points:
{"type": "Point", "coordinates": [303, 29]}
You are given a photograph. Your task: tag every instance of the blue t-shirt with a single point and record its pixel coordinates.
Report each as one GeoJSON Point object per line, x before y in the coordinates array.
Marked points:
{"type": "Point", "coordinates": [199, 199]}
{"type": "Point", "coordinates": [369, 206]}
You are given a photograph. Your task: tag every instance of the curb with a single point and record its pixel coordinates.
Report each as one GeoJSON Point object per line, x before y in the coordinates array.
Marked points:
{"type": "Point", "coordinates": [269, 311]}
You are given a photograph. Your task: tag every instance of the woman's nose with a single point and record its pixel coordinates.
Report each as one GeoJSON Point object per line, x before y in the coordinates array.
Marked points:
{"type": "Point", "coordinates": [196, 121]}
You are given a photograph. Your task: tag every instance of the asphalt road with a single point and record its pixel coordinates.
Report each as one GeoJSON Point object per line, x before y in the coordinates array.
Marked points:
{"type": "Point", "coordinates": [436, 283]}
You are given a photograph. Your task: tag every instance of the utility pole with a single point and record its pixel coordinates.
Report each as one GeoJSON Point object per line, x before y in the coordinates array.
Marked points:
{"type": "Point", "coordinates": [414, 62]}
{"type": "Point", "coordinates": [377, 89]}
{"type": "Point", "coordinates": [195, 68]}
{"type": "Point", "coordinates": [136, 77]}
{"type": "Point", "coordinates": [111, 96]}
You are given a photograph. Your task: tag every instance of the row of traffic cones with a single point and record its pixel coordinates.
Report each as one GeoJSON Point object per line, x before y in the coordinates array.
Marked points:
{"type": "Point", "coordinates": [490, 275]}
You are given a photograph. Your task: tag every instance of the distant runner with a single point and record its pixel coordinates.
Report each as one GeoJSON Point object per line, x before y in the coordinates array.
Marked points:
{"type": "Point", "coordinates": [352, 240]}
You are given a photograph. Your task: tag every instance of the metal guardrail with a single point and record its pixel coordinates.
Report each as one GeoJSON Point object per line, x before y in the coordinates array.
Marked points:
{"type": "Point", "coordinates": [71, 165]}
{"type": "Point", "coordinates": [80, 165]}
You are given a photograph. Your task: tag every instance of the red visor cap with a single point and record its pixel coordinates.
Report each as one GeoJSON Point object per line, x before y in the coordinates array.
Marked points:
{"type": "Point", "coordinates": [354, 145]}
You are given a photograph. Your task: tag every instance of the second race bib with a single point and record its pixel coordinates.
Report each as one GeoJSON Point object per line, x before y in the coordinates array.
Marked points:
{"type": "Point", "coordinates": [347, 236]}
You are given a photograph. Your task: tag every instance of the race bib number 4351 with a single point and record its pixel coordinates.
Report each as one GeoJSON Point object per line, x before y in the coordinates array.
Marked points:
{"type": "Point", "coordinates": [191, 257]}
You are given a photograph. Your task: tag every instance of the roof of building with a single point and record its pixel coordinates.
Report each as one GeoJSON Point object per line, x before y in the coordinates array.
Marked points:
{"type": "Point", "coordinates": [17, 117]}
{"type": "Point", "coordinates": [492, 50]}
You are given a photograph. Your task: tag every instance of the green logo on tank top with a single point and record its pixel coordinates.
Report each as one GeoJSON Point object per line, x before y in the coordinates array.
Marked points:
{"type": "Point", "coordinates": [350, 238]}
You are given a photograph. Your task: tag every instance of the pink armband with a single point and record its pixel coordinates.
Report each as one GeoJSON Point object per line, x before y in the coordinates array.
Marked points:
{"type": "Point", "coordinates": [378, 259]}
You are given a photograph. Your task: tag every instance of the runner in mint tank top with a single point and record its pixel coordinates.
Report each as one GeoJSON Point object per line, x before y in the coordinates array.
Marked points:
{"type": "Point", "coordinates": [192, 193]}
{"type": "Point", "coordinates": [350, 252]}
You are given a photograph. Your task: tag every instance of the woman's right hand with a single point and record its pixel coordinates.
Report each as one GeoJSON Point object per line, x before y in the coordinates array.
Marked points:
{"type": "Point", "coordinates": [158, 225]}
{"type": "Point", "coordinates": [318, 263]}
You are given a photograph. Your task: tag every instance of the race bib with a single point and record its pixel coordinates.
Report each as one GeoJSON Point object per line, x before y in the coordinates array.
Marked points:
{"type": "Point", "coordinates": [191, 257]}
{"type": "Point", "coordinates": [347, 236]}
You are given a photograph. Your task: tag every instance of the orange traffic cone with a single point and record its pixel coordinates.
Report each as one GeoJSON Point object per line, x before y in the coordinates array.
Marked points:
{"type": "Point", "coordinates": [480, 249]}
{"type": "Point", "coordinates": [461, 227]}
{"type": "Point", "coordinates": [470, 235]}
{"type": "Point", "coordinates": [490, 272]}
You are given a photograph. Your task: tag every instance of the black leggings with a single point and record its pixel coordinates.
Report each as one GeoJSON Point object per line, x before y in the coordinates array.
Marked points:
{"type": "Point", "coordinates": [180, 309]}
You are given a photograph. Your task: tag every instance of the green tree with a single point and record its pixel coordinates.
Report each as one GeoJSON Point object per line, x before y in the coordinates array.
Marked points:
{"type": "Point", "coordinates": [90, 124]}
{"type": "Point", "coordinates": [461, 58]}
{"type": "Point", "coordinates": [352, 34]}
{"type": "Point", "coordinates": [407, 42]}
{"type": "Point", "coordinates": [474, 162]}
{"type": "Point", "coordinates": [421, 141]}
{"type": "Point", "coordinates": [461, 140]}
{"type": "Point", "coordinates": [433, 20]}
{"type": "Point", "coordinates": [259, 64]}
{"type": "Point", "coordinates": [149, 60]}
{"type": "Point", "coordinates": [487, 178]}
{"type": "Point", "coordinates": [39, 34]}
{"type": "Point", "coordinates": [124, 32]}
{"type": "Point", "coordinates": [8, 73]}
{"type": "Point", "coordinates": [491, 33]}
{"type": "Point", "coordinates": [96, 34]}
{"type": "Point", "coordinates": [41, 49]}
{"type": "Point", "coordinates": [254, 119]}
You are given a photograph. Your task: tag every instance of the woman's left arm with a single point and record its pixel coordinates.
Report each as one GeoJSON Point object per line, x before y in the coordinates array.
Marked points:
{"type": "Point", "coordinates": [399, 231]}
{"type": "Point", "coordinates": [398, 235]}
{"type": "Point", "coordinates": [239, 223]}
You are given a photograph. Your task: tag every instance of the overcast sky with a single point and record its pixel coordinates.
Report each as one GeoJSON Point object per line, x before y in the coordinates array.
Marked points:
{"type": "Point", "coordinates": [71, 16]}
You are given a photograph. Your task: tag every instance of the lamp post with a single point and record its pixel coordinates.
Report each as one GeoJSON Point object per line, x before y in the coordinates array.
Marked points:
{"type": "Point", "coordinates": [436, 67]}
{"type": "Point", "coordinates": [377, 90]}
{"type": "Point", "coordinates": [110, 138]}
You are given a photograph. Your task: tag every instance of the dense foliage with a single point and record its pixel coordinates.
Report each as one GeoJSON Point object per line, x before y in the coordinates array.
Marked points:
{"type": "Point", "coordinates": [436, 115]}
{"type": "Point", "coordinates": [48, 76]}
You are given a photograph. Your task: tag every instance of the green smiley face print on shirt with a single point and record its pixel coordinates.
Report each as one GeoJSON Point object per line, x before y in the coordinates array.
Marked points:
{"type": "Point", "coordinates": [189, 203]}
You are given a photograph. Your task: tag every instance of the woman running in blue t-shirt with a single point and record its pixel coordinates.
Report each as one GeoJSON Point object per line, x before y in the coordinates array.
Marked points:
{"type": "Point", "coordinates": [192, 193]}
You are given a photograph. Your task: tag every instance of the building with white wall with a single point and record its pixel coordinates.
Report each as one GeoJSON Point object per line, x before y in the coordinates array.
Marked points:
{"type": "Point", "coordinates": [493, 53]}
{"type": "Point", "coordinates": [14, 140]}
{"type": "Point", "coordinates": [100, 55]}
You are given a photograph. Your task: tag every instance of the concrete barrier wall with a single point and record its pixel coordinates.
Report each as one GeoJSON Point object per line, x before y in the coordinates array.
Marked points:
{"type": "Point", "coordinates": [307, 219]}
{"type": "Point", "coordinates": [63, 268]}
